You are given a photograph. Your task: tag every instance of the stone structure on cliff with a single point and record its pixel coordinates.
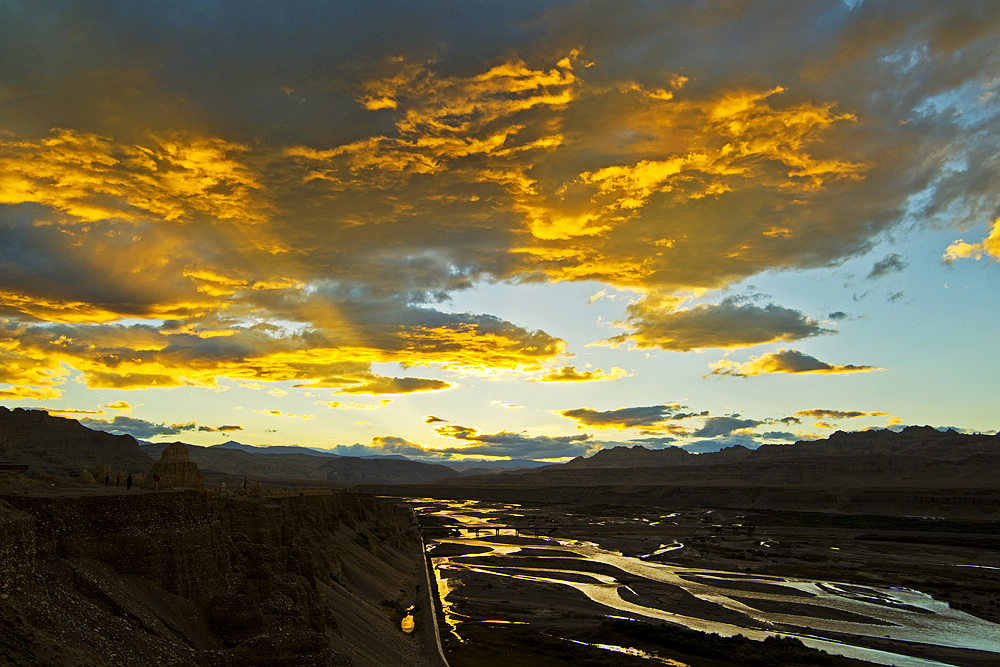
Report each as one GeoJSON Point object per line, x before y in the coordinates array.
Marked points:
{"type": "Point", "coordinates": [176, 470]}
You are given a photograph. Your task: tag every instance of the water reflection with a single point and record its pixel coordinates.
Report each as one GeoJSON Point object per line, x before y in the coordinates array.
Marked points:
{"type": "Point", "coordinates": [764, 602]}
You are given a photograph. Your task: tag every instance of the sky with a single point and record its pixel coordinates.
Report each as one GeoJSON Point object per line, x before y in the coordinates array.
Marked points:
{"type": "Point", "coordinates": [507, 230]}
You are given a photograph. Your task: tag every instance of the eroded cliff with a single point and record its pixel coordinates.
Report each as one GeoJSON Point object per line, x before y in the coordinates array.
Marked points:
{"type": "Point", "coordinates": [194, 578]}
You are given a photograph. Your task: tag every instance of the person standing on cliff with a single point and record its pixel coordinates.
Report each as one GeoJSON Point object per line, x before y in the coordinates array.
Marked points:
{"type": "Point", "coordinates": [128, 482]}
{"type": "Point", "coordinates": [107, 479]}
{"type": "Point", "coordinates": [156, 481]}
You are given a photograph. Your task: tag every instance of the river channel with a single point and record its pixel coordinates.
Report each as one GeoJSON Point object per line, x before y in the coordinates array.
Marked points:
{"type": "Point", "coordinates": [834, 616]}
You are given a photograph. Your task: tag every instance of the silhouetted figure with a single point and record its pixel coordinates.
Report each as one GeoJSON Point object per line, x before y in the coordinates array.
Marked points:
{"type": "Point", "coordinates": [156, 481]}
{"type": "Point", "coordinates": [107, 480]}
{"type": "Point", "coordinates": [118, 479]}
{"type": "Point", "coordinates": [128, 482]}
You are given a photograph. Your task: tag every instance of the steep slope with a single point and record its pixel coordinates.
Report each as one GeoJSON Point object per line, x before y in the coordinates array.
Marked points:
{"type": "Point", "coordinates": [62, 448]}
{"type": "Point", "coordinates": [192, 578]}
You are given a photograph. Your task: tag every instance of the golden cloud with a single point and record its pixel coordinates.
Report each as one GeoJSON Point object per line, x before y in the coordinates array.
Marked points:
{"type": "Point", "coordinates": [783, 361]}
{"type": "Point", "coordinates": [137, 356]}
{"type": "Point", "coordinates": [23, 393]}
{"type": "Point", "coordinates": [95, 178]}
{"type": "Point", "coordinates": [989, 246]}
{"type": "Point", "coordinates": [570, 374]}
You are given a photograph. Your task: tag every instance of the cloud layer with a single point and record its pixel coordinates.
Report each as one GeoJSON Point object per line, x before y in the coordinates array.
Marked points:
{"type": "Point", "coordinates": [247, 193]}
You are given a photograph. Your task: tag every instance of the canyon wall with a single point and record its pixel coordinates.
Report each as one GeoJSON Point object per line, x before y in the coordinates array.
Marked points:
{"type": "Point", "coordinates": [194, 578]}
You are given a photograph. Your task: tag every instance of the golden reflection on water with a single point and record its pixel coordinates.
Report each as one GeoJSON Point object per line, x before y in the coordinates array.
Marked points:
{"type": "Point", "coordinates": [444, 588]}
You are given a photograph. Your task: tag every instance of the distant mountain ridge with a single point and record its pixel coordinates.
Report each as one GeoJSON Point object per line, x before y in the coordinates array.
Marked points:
{"type": "Point", "coordinates": [919, 471]}
{"type": "Point", "coordinates": [465, 467]}
{"type": "Point", "coordinates": [274, 449]}
{"type": "Point", "coordinates": [257, 463]}
{"type": "Point", "coordinates": [63, 448]}
{"type": "Point", "coordinates": [913, 441]}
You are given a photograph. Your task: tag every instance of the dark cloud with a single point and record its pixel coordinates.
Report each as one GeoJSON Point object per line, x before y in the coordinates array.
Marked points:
{"type": "Point", "coordinates": [785, 420]}
{"type": "Point", "coordinates": [717, 444]}
{"type": "Point", "coordinates": [779, 435]}
{"type": "Point", "coordinates": [515, 445]}
{"type": "Point", "coordinates": [646, 418]}
{"type": "Point", "coordinates": [892, 263]}
{"type": "Point", "coordinates": [783, 361]}
{"type": "Point", "coordinates": [137, 428]}
{"type": "Point", "coordinates": [895, 296]}
{"type": "Point", "coordinates": [719, 426]}
{"type": "Point", "coordinates": [431, 419]}
{"type": "Point", "coordinates": [727, 325]}
{"type": "Point", "coordinates": [221, 429]}
{"type": "Point", "coordinates": [838, 315]}
{"type": "Point", "coordinates": [654, 443]}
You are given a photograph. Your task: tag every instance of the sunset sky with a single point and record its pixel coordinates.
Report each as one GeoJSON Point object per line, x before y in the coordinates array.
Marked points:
{"type": "Point", "coordinates": [520, 229]}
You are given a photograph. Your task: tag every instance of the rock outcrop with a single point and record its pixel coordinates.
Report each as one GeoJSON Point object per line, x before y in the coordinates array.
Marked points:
{"type": "Point", "coordinates": [175, 469]}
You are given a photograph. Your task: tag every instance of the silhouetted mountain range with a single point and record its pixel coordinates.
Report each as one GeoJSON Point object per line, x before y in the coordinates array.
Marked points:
{"type": "Point", "coordinates": [260, 464]}
{"type": "Point", "coordinates": [919, 470]}
{"type": "Point", "coordinates": [913, 442]}
{"type": "Point", "coordinates": [271, 449]}
{"type": "Point", "coordinates": [63, 448]}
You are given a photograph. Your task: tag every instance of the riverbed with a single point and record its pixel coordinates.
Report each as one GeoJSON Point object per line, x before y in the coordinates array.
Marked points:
{"type": "Point", "coordinates": [492, 544]}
